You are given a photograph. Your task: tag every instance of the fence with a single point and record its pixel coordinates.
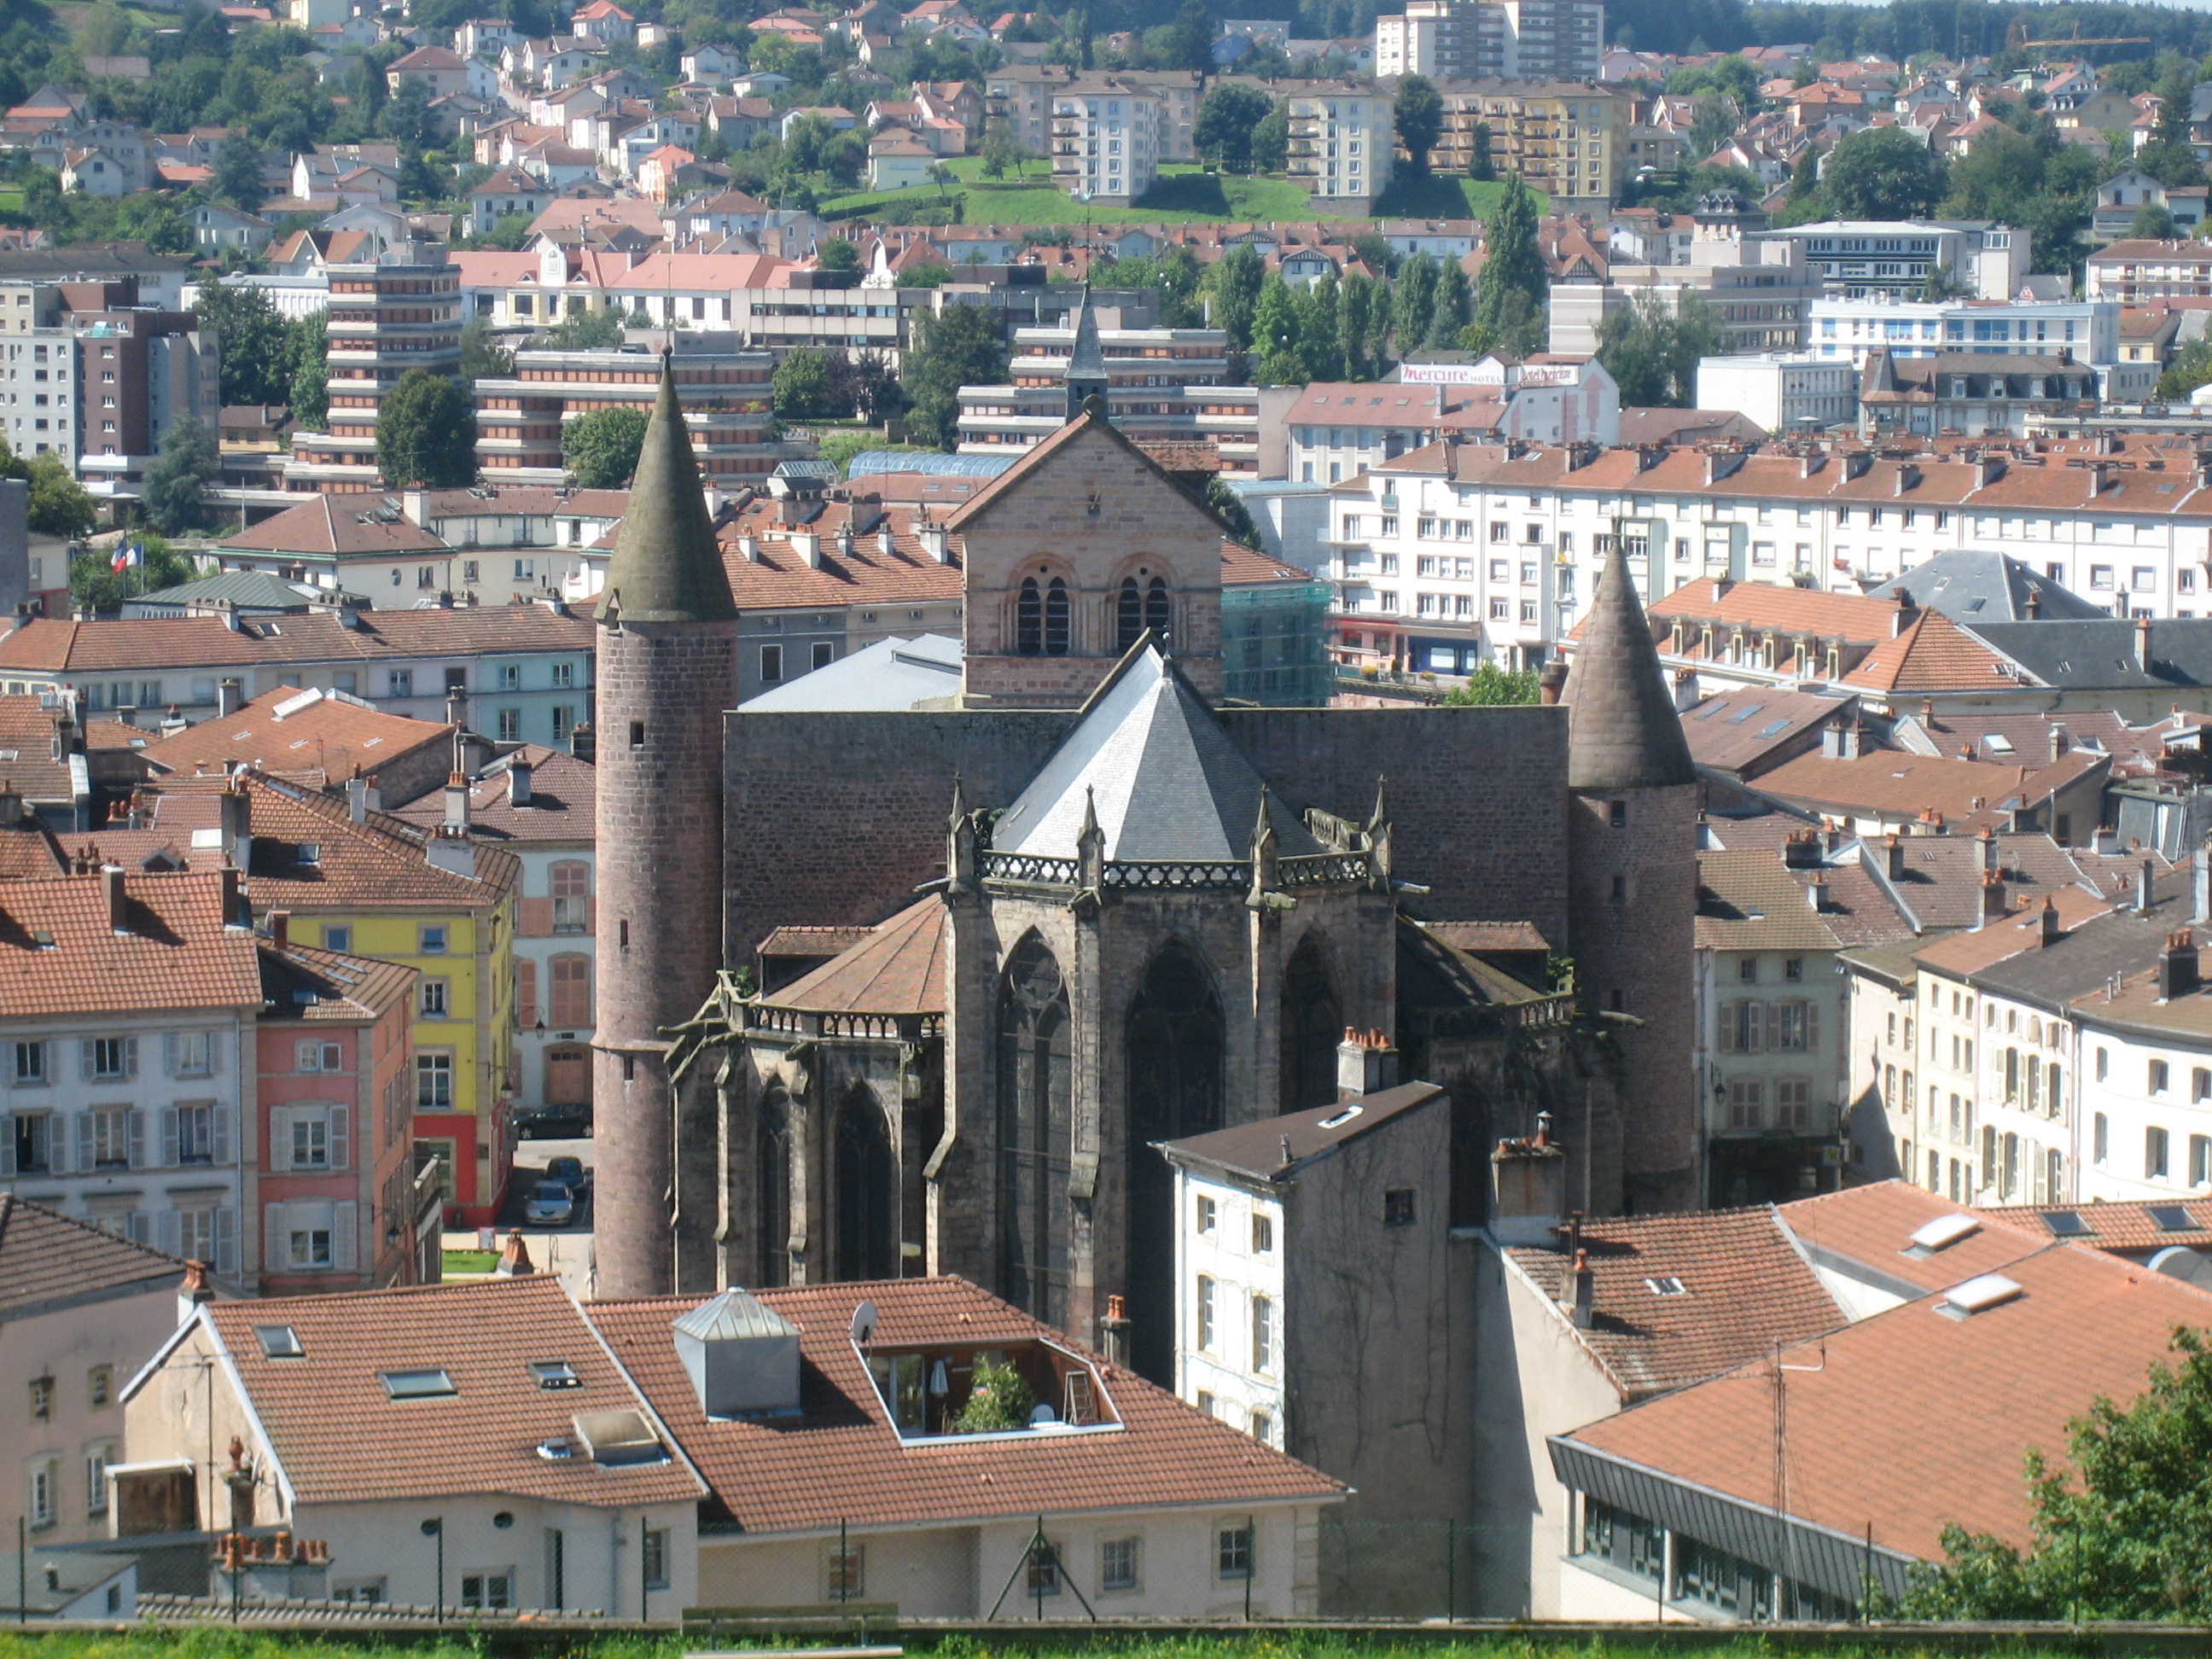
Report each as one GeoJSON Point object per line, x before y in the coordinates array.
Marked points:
{"type": "Point", "coordinates": [1421, 1570]}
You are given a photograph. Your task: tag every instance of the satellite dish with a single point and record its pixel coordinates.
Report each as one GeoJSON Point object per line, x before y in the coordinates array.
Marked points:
{"type": "Point", "coordinates": [2180, 1262]}
{"type": "Point", "coordinates": [864, 1323]}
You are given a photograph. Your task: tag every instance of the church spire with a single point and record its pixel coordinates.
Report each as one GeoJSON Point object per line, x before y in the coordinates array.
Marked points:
{"type": "Point", "coordinates": [1086, 364]}
{"type": "Point", "coordinates": [666, 568]}
{"type": "Point", "coordinates": [1622, 729]}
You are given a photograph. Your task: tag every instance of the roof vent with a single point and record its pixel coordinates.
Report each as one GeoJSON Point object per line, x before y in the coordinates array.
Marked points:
{"type": "Point", "coordinates": [1667, 1285]}
{"type": "Point", "coordinates": [1978, 1295]}
{"type": "Point", "coordinates": [1338, 1120]}
{"type": "Point", "coordinates": [555, 1450]}
{"type": "Point", "coordinates": [742, 1356]}
{"type": "Point", "coordinates": [614, 1438]}
{"type": "Point", "coordinates": [554, 1374]}
{"type": "Point", "coordinates": [1940, 1234]}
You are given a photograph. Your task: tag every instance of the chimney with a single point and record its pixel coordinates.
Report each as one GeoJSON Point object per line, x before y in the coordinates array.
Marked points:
{"type": "Point", "coordinates": [2177, 966]}
{"type": "Point", "coordinates": [2034, 605]}
{"type": "Point", "coordinates": [583, 743]}
{"type": "Point", "coordinates": [935, 543]}
{"type": "Point", "coordinates": [173, 722]}
{"type": "Point", "coordinates": [457, 805]}
{"type": "Point", "coordinates": [2143, 644]}
{"type": "Point", "coordinates": [1528, 1188]}
{"type": "Point", "coordinates": [1854, 739]}
{"type": "Point", "coordinates": [193, 1293]}
{"type": "Point", "coordinates": [11, 806]}
{"type": "Point", "coordinates": [226, 697]}
{"type": "Point", "coordinates": [456, 705]}
{"type": "Point", "coordinates": [514, 1261]}
{"type": "Point", "coordinates": [1988, 838]}
{"type": "Point", "coordinates": [1907, 612]}
{"type": "Point", "coordinates": [280, 929]}
{"type": "Point", "coordinates": [1993, 899]}
{"type": "Point", "coordinates": [111, 884]}
{"type": "Point", "coordinates": [1550, 680]}
{"type": "Point", "coordinates": [1366, 1064]}
{"type": "Point", "coordinates": [2142, 888]}
{"type": "Point", "coordinates": [2200, 885]}
{"type": "Point", "coordinates": [2059, 744]}
{"type": "Point", "coordinates": [2050, 921]}
{"type": "Point", "coordinates": [362, 798]}
{"type": "Point", "coordinates": [236, 816]}
{"type": "Point", "coordinates": [749, 544]}
{"type": "Point", "coordinates": [1816, 894]}
{"type": "Point", "coordinates": [1686, 690]}
{"type": "Point", "coordinates": [1832, 739]}
{"type": "Point", "coordinates": [518, 782]}
{"type": "Point", "coordinates": [1114, 1332]}
{"type": "Point", "coordinates": [1894, 848]}
{"type": "Point", "coordinates": [1801, 851]}
{"type": "Point", "coordinates": [808, 546]}
{"type": "Point", "coordinates": [1582, 1292]}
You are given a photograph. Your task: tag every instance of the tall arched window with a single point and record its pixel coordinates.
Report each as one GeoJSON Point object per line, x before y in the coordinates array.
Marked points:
{"type": "Point", "coordinates": [1055, 618]}
{"type": "Point", "coordinates": [1028, 619]}
{"type": "Point", "coordinates": [1156, 614]}
{"type": "Point", "coordinates": [1129, 614]}
{"type": "Point", "coordinates": [1173, 1056]}
{"type": "Point", "coordinates": [867, 1195]}
{"type": "Point", "coordinates": [1034, 1131]}
{"type": "Point", "coordinates": [772, 1172]}
{"type": "Point", "coordinates": [1311, 1025]}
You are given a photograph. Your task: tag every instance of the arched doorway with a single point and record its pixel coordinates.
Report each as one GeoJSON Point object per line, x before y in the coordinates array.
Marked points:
{"type": "Point", "coordinates": [772, 1173]}
{"type": "Point", "coordinates": [1312, 1022]}
{"type": "Point", "coordinates": [865, 1176]}
{"type": "Point", "coordinates": [1174, 1052]}
{"type": "Point", "coordinates": [1034, 1133]}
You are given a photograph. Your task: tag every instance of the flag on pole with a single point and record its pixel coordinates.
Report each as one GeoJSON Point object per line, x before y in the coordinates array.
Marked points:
{"type": "Point", "coordinates": [121, 559]}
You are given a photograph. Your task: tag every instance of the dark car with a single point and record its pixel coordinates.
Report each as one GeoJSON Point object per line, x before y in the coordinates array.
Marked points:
{"type": "Point", "coordinates": [571, 1173]}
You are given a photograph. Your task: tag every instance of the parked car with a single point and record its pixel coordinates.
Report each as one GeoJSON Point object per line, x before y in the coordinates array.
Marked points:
{"type": "Point", "coordinates": [571, 1173]}
{"type": "Point", "coordinates": [552, 1122]}
{"type": "Point", "coordinates": [550, 1204]}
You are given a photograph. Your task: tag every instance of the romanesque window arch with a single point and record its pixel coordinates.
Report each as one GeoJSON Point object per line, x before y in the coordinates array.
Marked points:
{"type": "Point", "coordinates": [1034, 1131]}
{"type": "Point", "coordinates": [1129, 614]}
{"type": "Point", "coordinates": [864, 1173]}
{"type": "Point", "coordinates": [1312, 1022]}
{"type": "Point", "coordinates": [1028, 619]}
{"type": "Point", "coordinates": [772, 1172]}
{"type": "Point", "coordinates": [1158, 615]}
{"type": "Point", "coordinates": [1055, 618]}
{"type": "Point", "coordinates": [1174, 1053]}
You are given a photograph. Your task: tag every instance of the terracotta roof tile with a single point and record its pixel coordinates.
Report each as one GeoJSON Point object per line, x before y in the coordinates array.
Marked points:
{"type": "Point", "coordinates": [898, 970]}
{"type": "Point", "coordinates": [1478, 936]}
{"type": "Point", "coordinates": [46, 1257]}
{"type": "Point", "coordinates": [27, 761]}
{"type": "Point", "coordinates": [563, 797]}
{"type": "Point", "coordinates": [1934, 654]}
{"type": "Point", "coordinates": [1871, 1228]}
{"type": "Point", "coordinates": [1884, 780]}
{"type": "Point", "coordinates": [844, 1462]}
{"type": "Point", "coordinates": [336, 524]}
{"type": "Point", "coordinates": [60, 952]}
{"type": "Point", "coordinates": [1794, 610]}
{"type": "Point", "coordinates": [2139, 1226]}
{"type": "Point", "coordinates": [174, 644]}
{"type": "Point", "coordinates": [291, 730]}
{"type": "Point", "coordinates": [344, 989]}
{"type": "Point", "coordinates": [1975, 948]}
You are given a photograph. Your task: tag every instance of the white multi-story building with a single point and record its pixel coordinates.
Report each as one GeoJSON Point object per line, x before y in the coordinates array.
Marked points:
{"type": "Point", "coordinates": [1105, 141]}
{"type": "Point", "coordinates": [1339, 430]}
{"type": "Point", "coordinates": [1783, 391]}
{"type": "Point", "coordinates": [1465, 40]}
{"type": "Point", "coordinates": [1850, 327]}
{"type": "Point", "coordinates": [122, 1056]}
{"type": "Point", "coordinates": [1341, 142]}
{"type": "Point", "coordinates": [1855, 258]}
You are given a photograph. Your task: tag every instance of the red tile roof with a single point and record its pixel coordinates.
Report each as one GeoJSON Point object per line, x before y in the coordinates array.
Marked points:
{"type": "Point", "coordinates": [173, 644]}
{"type": "Point", "coordinates": [62, 953]}
{"type": "Point", "coordinates": [563, 800]}
{"type": "Point", "coordinates": [898, 970]}
{"type": "Point", "coordinates": [843, 1462]}
{"type": "Point", "coordinates": [336, 524]}
{"type": "Point", "coordinates": [1872, 1227]}
{"type": "Point", "coordinates": [294, 731]}
{"type": "Point", "coordinates": [45, 1257]}
{"type": "Point", "coordinates": [2126, 1224]}
{"type": "Point", "coordinates": [1934, 654]}
{"type": "Point", "coordinates": [1886, 781]}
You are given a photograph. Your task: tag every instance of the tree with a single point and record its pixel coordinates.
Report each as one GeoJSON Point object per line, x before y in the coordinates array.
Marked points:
{"type": "Point", "coordinates": [1652, 353]}
{"type": "Point", "coordinates": [307, 345]}
{"type": "Point", "coordinates": [1414, 301]}
{"type": "Point", "coordinates": [1229, 507]}
{"type": "Point", "coordinates": [800, 379]}
{"type": "Point", "coordinates": [2153, 222]}
{"type": "Point", "coordinates": [96, 585]}
{"type": "Point", "coordinates": [1882, 172]}
{"type": "Point", "coordinates": [1237, 281]}
{"type": "Point", "coordinates": [1511, 262]}
{"type": "Point", "coordinates": [483, 358]}
{"type": "Point", "coordinates": [238, 173]}
{"type": "Point", "coordinates": [1270, 140]}
{"type": "Point", "coordinates": [59, 504]}
{"type": "Point", "coordinates": [1480, 166]}
{"type": "Point", "coordinates": [2121, 1534]}
{"type": "Point", "coordinates": [1453, 308]}
{"type": "Point", "coordinates": [601, 448]}
{"type": "Point", "coordinates": [2192, 367]}
{"type": "Point", "coordinates": [1355, 312]}
{"type": "Point", "coordinates": [178, 478]}
{"type": "Point", "coordinates": [1227, 117]}
{"type": "Point", "coordinates": [839, 253]}
{"type": "Point", "coordinates": [957, 347]}
{"type": "Point", "coordinates": [426, 434]}
{"type": "Point", "coordinates": [250, 338]}
{"type": "Point", "coordinates": [1490, 684]}
{"type": "Point", "coordinates": [1275, 336]}
{"type": "Point", "coordinates": [588, 331]}
{"type": "Point", "coordinates": [1419, 117]}
{"type": "Point", "coordinates": [1190, 38]}
{"type": "Point", "coordinates": [1002, 150]}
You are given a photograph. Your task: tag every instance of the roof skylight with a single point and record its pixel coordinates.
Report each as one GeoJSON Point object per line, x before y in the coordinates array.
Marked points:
{"type": "Point", "coordinates": [424, 1384]}
{"type": "Point", "coordinates": [279, 1342]}
{"type": "Point", "coordinates": [2067, 1223]}
{"type": "Point", "coordinates": [2171, 1219]}
{"type": "Point", "coordinates": [1666, 1284]}
{"type": "Point", "coordinates": [1978, 1295]}
{"type": "Point", "coordinates": [1940, 1234]}
{"type": "Point", "coordinates": [554, 1374]}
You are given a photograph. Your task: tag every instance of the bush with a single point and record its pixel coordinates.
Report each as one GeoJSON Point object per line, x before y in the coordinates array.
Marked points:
{"type": "Point", "coordinates": [999, 1399]}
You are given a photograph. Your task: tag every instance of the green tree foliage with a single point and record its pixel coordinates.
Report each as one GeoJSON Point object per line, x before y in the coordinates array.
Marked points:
{"type": "Point", "coordinates": [839, 253]}
{"type": "Point", "coordinates": [1355, 314]}
{"type": "Point", "coordinates": [1002, 151]}
{"type": "Point", "coordinates": [1513, 264]}
{"type": "Point", "coordinates": [1652, 352]}
{"type": "Point", "coordinates": [1734, 77]}
{"type": "Point", "coordinates": [251, 337]}
{"type": "Point", "coordinates": [426, 434]}
{"type": "Point", "coordinates": [925, 276]}
{"type": "Point", "coordinates": [601, 448]}
{"type": "Point", "coordinates": [59, 504]}
{"type": "Point", "coordinates": [96, 585]}
{"type": "Point", "coordinates": [1490, 686]}
{"type": "Point", "coordinates": [1190, 44]}
{"type": "Point", "coordinates": [307, 386]}
{"type": "Point", "coordinates": [957, 347]}
{"type": "Point", "coordinates": [1413, 301]}
{"type": "Point", "coordinates": [1419, 116]}
{"type": "Point", "coordinates": [1270, 139]}
{"type": "Point", "coordinates": [238, 172]}
{"type": "Point", "coordinates": [2045, 185]}
{"type": "Point", "coordinates": [800, 384]}
{"type": "Point", "coordinates": [1176, 274]}
{"type": "Point", "coordinates": [1275, 334]}
{"type": "Point", "coordinates": [1882, 172]}
{"type": "Point", "coordinates": [2154, 221]}
{"type": "Point", "coordinates": [1227, 118]}
{"type": "Point", "coordinates": [2124, 1533]}
{"type": "Point", "coordinates": [2192, 367]}
{"type": "Point", "coordinates": [1480, 166]}
{"type": "Point", "coordinates": [1319, 309]}
{"type": "Point", "coordinates": [1236, 282]}
{"type": "Point", "coordinates": [179, 478]}
{"type": "Point", "coordinates": [999, 1400]}
{"type": "Point", "coordinates": [483, 358]}
{"type": "Point", "coordinates": [1452, 309]}
{"type": "Point", "coordinates": [1229, 507]}
{"type": "Point", "coordinates": [588, 331]}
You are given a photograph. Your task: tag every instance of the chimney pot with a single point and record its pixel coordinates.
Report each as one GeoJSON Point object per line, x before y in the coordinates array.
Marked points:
{"type": "Point", "coordinates": [457, 805]}
{"type": "Point", "coordinates": [280, 929]}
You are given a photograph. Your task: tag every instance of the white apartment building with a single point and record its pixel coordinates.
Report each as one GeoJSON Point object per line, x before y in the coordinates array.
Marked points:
{"type": "Point", "coordinates": [1337, 429]}
{"type": "Point", "coordinates": [1850, 327]}
{"type": "Point", "coordinates": [1105, 141]}
{"type": "Point", "coordinates": [1859, 256]}
{"type": "Point", "coordinates": [2146, 1089]}
{"type": "Point", "coordinates": [1783, 391]}
{"type": "Point", "coordinates": [1467, 39]}
{"type": "Point", "coordinates": [38, 384]}
{"type": "Point", "coordinates": [1341, 142]}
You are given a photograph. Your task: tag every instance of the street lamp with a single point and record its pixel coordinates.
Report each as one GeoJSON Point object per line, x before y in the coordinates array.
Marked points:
{"type": "Point", "coordinates": [434, 1528]}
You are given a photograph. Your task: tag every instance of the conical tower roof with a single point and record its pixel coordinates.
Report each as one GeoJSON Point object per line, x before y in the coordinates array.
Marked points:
{"type": "Point", "coordinates": [666, 568]}
{"type": "Point", "coordinates": [1622, 729]}
{"type": "Point", "coordinates": [1087, 359]}
{"type": "Point", "coordinates": [1152, 766]}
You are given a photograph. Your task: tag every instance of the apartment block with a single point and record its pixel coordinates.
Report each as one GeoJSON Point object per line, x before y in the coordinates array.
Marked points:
{"type": "Point", "coordinates": [1531, 39]}
{"type": "Point", "coordinates": [1782, 391]}
{"type": "Point", "coordinates": [398, 312]}
{"type": "Point", "coordinates": [1564, 137]}
{"type": "Point", "coordinates": [1341, 142]}
{"type": "Point", "coordinates": [1105, 141]}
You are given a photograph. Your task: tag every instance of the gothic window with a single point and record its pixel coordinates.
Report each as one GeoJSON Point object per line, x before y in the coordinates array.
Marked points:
{"type": "Point", "coordinates": [1028, 619]}
{"type": "Point", "coordinates": [1312, 1024]}
{"type": "Point", "coordinates": [1175, 1042]}
{"type": "Point", "coordinates": [866, 1174]}
{"type": "Point", "coordinates": [773, 1167]}
{"type": "Point", "coordinates": [1034, 1131]}
{"type": "Point", "coordinates": [1056, 619]}
{"type": "Point", "coordinates": [1156, 607]}
{"type": "Point", "coordinates": [1128, 615]}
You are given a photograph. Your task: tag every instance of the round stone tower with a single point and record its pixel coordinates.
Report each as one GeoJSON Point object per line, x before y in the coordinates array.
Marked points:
{"type": "Point", "coordinates": [667, 664]}
{"type": "Point", "coordinates": [1632, 884]}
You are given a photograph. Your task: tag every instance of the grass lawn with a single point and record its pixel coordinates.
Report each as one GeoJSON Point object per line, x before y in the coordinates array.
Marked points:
{"type": "Point", "coordinates": [453, 1262]}
{"type": "Point", "coordinates": [1438, 196]}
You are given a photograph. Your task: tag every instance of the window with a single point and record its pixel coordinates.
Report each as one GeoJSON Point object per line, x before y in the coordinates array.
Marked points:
{"type": "Point", "coordinates": [434, 998]}
{"type": "Point", "coordinates": [45, 1494]}
{"type": "Point", "coordinates": [2200, 1160]}
{"type": "Point", "coordinates": [1117, 1564]}
{"type": "Point", "coordinates": [1205, 1214]}
{"type": "Point", "coordinates": [1797, 1026]}
{"type": "Point", "coordinates": [1793, 970]}
{"type": "Point", "coordinates": [30, 1064]}
{"type": "Point", "coordinates": [400, 682]}
{"type": "Point", "coordinates": [311, 1147]}
{"type": "Point", "coordinates": [571, 1003]}
{"type": "Point", "coordinates": [42, 1398]}
{"type": "Point", "coordinates": [1617, 814]}
{"type": "Point", "coordinates": [849, 1577]}
{"type": "Point", "coordinates": [1263, 1235]}
{"type": "Point", "coordinates": [2155, 1147]}
{"type": "Point", "coordinates": [771, 663]}
{"type": "Point", "coordinates": [1793, 1104]}
{"type": "Point", "coordinates": [434, 1081]}
{"type": "Point", "coordinates": [108, 1058]}
{"type": "Point", "coordinates": [2101, 1137]}
{"type": "Point", "coordinates": [195, 1135]}
{"type": "Point", "coordinates": [2159, 1077]}
{"type": "Point", "coordinates": [316, 1055]}
{"type": "Point", "coordinates": [338, 938]}
{"type": "Point", "coordinates": [96, 1459]}
{"type": "Point", "coordinates": [656, 1565]}
{"type": "Point", "coordinates": [487, 1590]}
{"type": "Point", "coordinates": [510, 725]}
{"type": "Point", "coordinates": [1233, 1552]}
{"type": "Point", "coordinates": [311, 1251]}
{"type": "Point", "coordinates": [510, 673]}
{"type": "Point", "coordinates": [434, 941]}
{"type": "Point", "coordinates": [571, 883]}
{"type": "Point", "coordinates": [189, 1054]}
{"type": "Point", "coordinates": [1747, 971]}
{"type": "Point", "coordinates": [1263, 1335]}
{"type": "Point", "coordinates": [1398, 1206]}
{"type": "Point", "coordinates": [99, 1386]}
{"type": "Point", "coordinates": [2103, 1063]}
{"type": "Point", "coordinates": [824, 653]}
{"type": "Point", "coordinates": [1205, 1303]}
{"type": "Point", "coordinates": [1747, 1103]}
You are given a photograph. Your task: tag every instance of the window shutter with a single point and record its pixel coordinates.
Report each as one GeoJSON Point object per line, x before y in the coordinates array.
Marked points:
{"type": "Point", "coordinates": [7, 1144]}
{"type": "Point", "coordinates": [215, 1053]}
{"type": "Point", "coordinates": [1811, 1026]}
{"type": "Point", "coordinates": [168, 1231]}
{"type": "Point", "coordinates": [226, 1241]}
{"type": "Point", "coordinates": [274, 1247]}
{"type": "Point", "coordinates": [345, 1247]}
{"type": "Point", "coordinates": [525, 992]}
{"type": "Point", "coordinates": [131, 1056]}
{"type": "Point", "coordinates": [225, 1121]}
{"type": "Point", "coordinates": [137, 1138]}
{"type": "Point", "coordinates": [84, 1146]}
{"type": "Point", "coordinates": [141, 1227]}
{"type": "Point", "coordinates": [171, 1145]}
{"type": "Point", "coordinates": [1730, 1012]}
{"type": "Point", "coordinates": [340, 1144]}
{"type": "Point", "coordinates": [1755, 1027]}
{"type": "Point", "coordinates": [303, 1055]}
{"type": "Point", "coordinates": [85, 1060]}
{"type": "Point", "coordinates": [280, 1138]}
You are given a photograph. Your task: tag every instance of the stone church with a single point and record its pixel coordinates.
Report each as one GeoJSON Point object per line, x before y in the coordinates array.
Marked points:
{"type": "Point", "coordinates": [888, 993]}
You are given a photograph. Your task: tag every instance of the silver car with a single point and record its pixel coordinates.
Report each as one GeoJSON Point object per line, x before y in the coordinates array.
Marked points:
{"type": "Point", "coordinates": [550, 1204]}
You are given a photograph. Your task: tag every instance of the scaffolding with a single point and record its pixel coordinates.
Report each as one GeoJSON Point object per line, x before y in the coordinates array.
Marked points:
{"type": "Point", "coordinates": [1274, 644]}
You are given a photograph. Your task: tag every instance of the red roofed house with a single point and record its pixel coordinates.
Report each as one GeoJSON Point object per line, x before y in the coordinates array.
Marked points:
{"type": "Point", "coordinates": [603, 20]}
{"type": "Point", "coordinates": [435, 68]}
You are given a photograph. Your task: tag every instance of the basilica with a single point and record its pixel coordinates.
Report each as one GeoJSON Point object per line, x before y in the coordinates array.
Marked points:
{"type": "Point", "coordinates": [923, 992]}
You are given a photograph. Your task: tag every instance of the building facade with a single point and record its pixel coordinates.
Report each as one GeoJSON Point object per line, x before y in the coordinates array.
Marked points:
{"type": "Point", "coordinates": [1341, 144]}
{"type": "Point", "coordinates": [401, 312]}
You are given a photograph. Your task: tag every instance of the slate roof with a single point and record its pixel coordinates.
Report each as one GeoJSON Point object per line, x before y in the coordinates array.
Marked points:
{"type": "Point", "coordinates": [1150, 760]}
{"type": "Point", "coordinates": [260, 590]}
{"type": "Point", "coordinates": [288, 731]}
{"type": "Point", "coordinates": [46, 1257]}
{"type": "Point", "coordinates": [899, 968]}
{"type": "Point", "coordinates": [666, 567]}
{"type": "Point", "coordinates": [843, 1462]}
{"type": "Point", "coordinates": [1277, 1148]}
{"type": "Point", "coordinates": [563, 800]}
{"type": "Point", "coordinates": [1916, 1459]}
{"type": "Point", "coordinates": [1976, 584]}
{"type": "Point", "coordinates": [179, 951]}
{"type": "Point", "coordinates": [1623, 731]}
{"type": "Point", "coordinates": [1973, 948]}
{"type": "Point", "coordinates": [339, 1439]}
{"type": "Point", "coordinates": [2122, 940]}
{"type": "Point", "coordinates": [1744, 1288]}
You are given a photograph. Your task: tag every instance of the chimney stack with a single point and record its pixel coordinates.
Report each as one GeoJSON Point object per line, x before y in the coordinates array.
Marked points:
{"type": "Point", "coordinates": [1894, 847]}
{"type": "Point", "coordinates": [1114, 1332]}
{"type": "Point", "coordinates": [280, 929]}
{"type": "Point", "coordinates": [2142, 888]}
{"type": "Point", "coordinates": [2177, 966]}
{"type": "Point", "coordinates": [1816, 894]}
{"type": "Point", "coordinates": [457, 805]}
{"type": "Point", "coordinates": [111, 882]}
{"type": "Point", "coordinates": [1988, 839]}
{"type": "Point", "coordinates": [2200, 885]}
{"type": "Point", "coordinates": [1552, 679]}
{"type": "Point", "coordinates": [1993, 897]}
{"type": "Point", "coordinates": [518, 782]}
{"type": "Point", "coordinates": [1582, 1292]}
{"type": "Point", "coordinates": [2143, 644]}
{"type": "Point", "coordinates": [1527, 1187]}
{"type": "Point", "coordinates": [2050, 921]}
{"type": "Point", "coordinates": [1366, 1064]}
{"type": "Point", "coordinates": [1907, 612]}
{"type": "Point", "coordinates": [226, 697]}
